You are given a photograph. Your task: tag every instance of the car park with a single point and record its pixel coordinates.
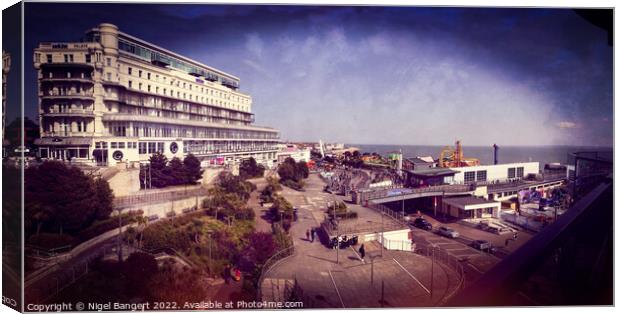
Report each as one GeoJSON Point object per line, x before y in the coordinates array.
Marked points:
{"type": "Point", "coordinates": [448, 232]}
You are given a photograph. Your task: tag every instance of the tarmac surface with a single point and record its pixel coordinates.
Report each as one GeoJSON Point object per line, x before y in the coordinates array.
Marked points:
{"type": "Point", "coordinates": [330, 278]}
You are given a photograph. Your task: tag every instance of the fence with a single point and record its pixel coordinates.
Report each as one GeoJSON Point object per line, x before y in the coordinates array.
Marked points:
{"type": "Point", "coordinates": [442, 257]}
{"type": "Point", "coordinates": [158, 197]}
{"type": "Point", "coordinates": [269, 264]}
{"type": "Point", "coordinates": [44, 289]}
{"type": "Point", "coordinates": [397, 216]}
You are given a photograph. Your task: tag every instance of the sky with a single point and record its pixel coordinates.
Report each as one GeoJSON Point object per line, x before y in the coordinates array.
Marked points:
{"type": "Point", "coordinates": [381, 75]}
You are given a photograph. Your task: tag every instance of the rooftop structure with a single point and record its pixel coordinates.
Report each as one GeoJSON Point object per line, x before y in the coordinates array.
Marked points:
{"type": "Point", "coordinates": [112, 97]}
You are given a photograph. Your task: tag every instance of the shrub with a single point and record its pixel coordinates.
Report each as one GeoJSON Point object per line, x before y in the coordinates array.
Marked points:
{"type": "Point", "coordinates": [51, 240]}
{"type": "Point", "coordinates": [295, 185]}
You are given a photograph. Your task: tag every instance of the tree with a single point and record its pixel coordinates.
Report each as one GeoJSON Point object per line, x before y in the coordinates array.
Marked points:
{"type": "Point", "coordinates": [250, 169]}
{"type": "Point", "coordinates": [261, 246]}
{"type": "Point", "coordinates": [177, 172]}
{"type": "Point", "coordinates": [286, 171]}
{"type": "Point", "coordinates": [159, 172]}
{"type": "Point", "coordinates": [233, 184]}
{"type": "Point", "coordinates": [302, 169]}
{"type": "Point", "coordinates": [193, 171]}
{"type": "Point", "coordinates": [138, 269]}
{"type": "Point", "coordinates": [104, 199]}
{"type": "Point", "coordinates": [63, 198]}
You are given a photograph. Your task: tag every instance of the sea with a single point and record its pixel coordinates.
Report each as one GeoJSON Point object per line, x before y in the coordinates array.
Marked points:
{"type": "Point", "coordinates": [506, 154]}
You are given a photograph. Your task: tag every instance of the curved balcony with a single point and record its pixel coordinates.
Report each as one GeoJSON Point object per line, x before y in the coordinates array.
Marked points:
{"type": "Point", "coordinates": [70, 113]}
{"type": "Point", "coordinates": [162, 120]}
{"type": "Point", "coordinates": [67, 79]}
{"type": "Point", "coordinates": [81, 96]}
{"type": "Point", "coordinates": [67, 65]}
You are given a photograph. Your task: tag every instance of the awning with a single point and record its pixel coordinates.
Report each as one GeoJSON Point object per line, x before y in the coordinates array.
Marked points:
{"type": "Point", "coordinates": [66, 141]}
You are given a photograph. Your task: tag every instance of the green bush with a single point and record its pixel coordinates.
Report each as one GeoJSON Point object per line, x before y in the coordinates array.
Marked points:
{"type": "Point", "coordinates": [51, 240]}
{"type": "Point", "coordinates": [101, 226]}
{"type": "Point", "coordinates": [295, 185]}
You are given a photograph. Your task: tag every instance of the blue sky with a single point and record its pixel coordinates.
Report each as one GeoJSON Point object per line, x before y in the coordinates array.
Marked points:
{"type": "Point", "coordinates": [382, 75]}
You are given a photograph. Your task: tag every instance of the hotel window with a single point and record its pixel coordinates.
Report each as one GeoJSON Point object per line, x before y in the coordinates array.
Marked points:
{"type": "Point", "coordinates": [113, 145]}
{"type": "Point", "coordinates": [184, 85]}
{"type": "Point", "coordinates": [164, 91]}
{"type": "Point", "coordinates": [520, 172]}
{"type": "Point", "coordinates": [130, 84]}
{"type": "Point", "coordinates": [140, 86]}
{"type": "Point", "coordinates": [87, 58]}
{"type": "Point", "coordinates": [141, 148]}
{"type": "Point", "coordinates": [129, 70]}
{"type": "Point", "coordinates": [139, 73]}
{"type": "Point", "coordinates": [511, 173]}
{"type": "Point", "coordinates": [148, 75]}
{"type": "Point", "coordinates": [151, 147]}
{"type": "Point", "coordinates": [109, 75]}
{"type": "Point", "coordinates": [469, 176]}
{"type": "Point", "coordinates": [481, 175]}
{"type": "Point", "coordinates": [148, 88]}
{"type": "Point", "coordinates": [121, 144]}
{"type": "Point", "coordinates": [157, 77]}
{"type": "Point", "coordinates": [108, 61]}
{"type": "Point", "coordinates": [160, 147]}
{"type": "Point", "coordinates": [157, 89]}
{"type": "Point", "coordinates": [49, 58]}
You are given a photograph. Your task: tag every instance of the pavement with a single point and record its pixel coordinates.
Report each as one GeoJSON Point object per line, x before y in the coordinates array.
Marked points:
{"type": "Point", "coordinates": [340, 278]}
{"type": "Point", "coordinates": [262, 223]}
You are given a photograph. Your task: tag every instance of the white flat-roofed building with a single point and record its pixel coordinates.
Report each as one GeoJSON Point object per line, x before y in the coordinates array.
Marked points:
{"type": "Point", "coordinates": [494, 173]}
{"type": "Point", "coordinates": [470, 207]}
{"type": "Point", "coordinates": [115, 98]}
{"type": "Point", "coordinates": [295, 152]}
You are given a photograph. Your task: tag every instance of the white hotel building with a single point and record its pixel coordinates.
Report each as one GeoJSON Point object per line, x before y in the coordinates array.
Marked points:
{"type": "Point", "coordinates": [115, 98]}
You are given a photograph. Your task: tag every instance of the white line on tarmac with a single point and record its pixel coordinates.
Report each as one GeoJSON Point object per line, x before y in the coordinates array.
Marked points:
{"type": "Point", "coordinates": [338, 292]}
{"type": "Point", "coordinates": [412, 276]}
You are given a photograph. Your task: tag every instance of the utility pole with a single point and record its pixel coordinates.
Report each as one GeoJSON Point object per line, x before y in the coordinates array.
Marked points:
{"type": "Point", "coordinates": [382, 240]}
{"type": "Point", "coordinates": [432, 270]}
{"type": "Point", "coordinates": [118, 239]}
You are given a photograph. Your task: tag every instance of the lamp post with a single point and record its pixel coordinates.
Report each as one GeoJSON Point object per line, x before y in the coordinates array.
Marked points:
{"type": "Point", "coordinates": [432, 269]}
{"type": "Point", "coordinates": [118, 239]}
{"type": "Point", "coordinates": [382, 240]}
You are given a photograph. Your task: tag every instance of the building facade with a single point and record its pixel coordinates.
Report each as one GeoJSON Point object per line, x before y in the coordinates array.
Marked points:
{"type": "Point", "coordinates": [298, 154]}
{"type": "Point", "coordinates": [469, 207]}
{"type": "Point", "coordinates": [115, 98]}
{"type": "Point", "coordinates": [495, 173]}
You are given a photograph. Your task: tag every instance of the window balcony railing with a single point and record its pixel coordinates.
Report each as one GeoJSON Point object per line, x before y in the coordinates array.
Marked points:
{"type": "Point", "coordinates": [73, 111]}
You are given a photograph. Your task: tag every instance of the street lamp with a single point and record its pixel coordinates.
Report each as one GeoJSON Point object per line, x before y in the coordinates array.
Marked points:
{"type": "Point", "coordinates": [118, 239]}
{"type": "Point", "coordinates": [432, 268]}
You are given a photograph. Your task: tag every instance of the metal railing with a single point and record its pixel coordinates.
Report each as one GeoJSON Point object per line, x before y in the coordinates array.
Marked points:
{"type": "Point", "coordinates": [449, 261]}
{"type": "Point", "coordinates": [269, 264]}
{"type": "Point", "coordinates": [147, 198]}
{"type": "Point", "coordinates": [40, 291]}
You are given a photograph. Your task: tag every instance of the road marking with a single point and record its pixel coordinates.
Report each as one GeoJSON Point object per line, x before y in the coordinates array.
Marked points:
{"type": "Point", "coordinates": [338, 292]}
{"type": "Point", "coordinates": [412, 276]}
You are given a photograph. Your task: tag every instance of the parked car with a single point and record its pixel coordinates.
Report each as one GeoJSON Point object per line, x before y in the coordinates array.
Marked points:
{"type": "Point", "coordinates": [483, 245]}
{"type": "Point", "coordinates": [448, 232]}
{"type": "Point", "coordinates": [422, 224]}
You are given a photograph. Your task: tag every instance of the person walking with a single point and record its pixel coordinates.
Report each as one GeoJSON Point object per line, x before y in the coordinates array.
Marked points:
{"type": "Point", "coordinates": [362, 251]}
{"type": "Point", "coordinates": [312, 234]}
{"type": "Point", "coordinates": [308, 235]}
